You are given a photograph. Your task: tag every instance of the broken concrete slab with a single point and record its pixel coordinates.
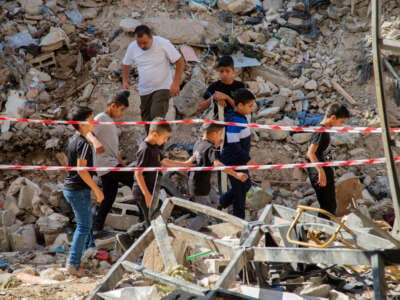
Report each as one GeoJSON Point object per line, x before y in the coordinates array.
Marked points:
{"type": "Point", "coordinates": [52, 223]}
{"type": "Point", "coordinates": [184, 31]}
{"type": "Point", "coordinates": [129, 24]}
{"type": "Point", "coordinates": [269, 74]}
{"type": "Point", "coordinates": [23, 238]}
{"type": "Point", "coordinates": [237, 6]}
{"type": "Point", "coordinates": [187, 102]}
{"type": "Point", "coordinates": [54, 39]}
{"type": "Point", "coordinates": [258, 198]}
{"type": "Point", "coordinates": [121, 222]}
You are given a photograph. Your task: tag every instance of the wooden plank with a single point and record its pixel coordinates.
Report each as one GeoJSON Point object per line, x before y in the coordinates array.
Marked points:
{"type": "Point", "coordinates": [378, 273]}
{"type": "Point", "coordinates": [212, 212]}
{"type": "Point", "coordinates": [164, 279]}
{"type": "Point", "coordinates": [166, 209]}
{"type": "Point", "coordinates": [342, 92]}
{"type": "Point", "coordinates": [231, 270]}
{"type": "Point", "coordinates": [161, 236]}
{"type": "Point", "coordinates": [311, 255]}
{"type": "Point", "coordinates": [116, 272]}
{"type": "Point", "coordinates": [222, 247]}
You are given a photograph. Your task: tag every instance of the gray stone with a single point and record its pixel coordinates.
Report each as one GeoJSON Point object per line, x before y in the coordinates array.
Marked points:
{"type": "Point", "coordinates": [187, 102]}
{"type": "Point", "coordinates": [302, 138]}
{"type": "Point", "coordinates": [311, 85]}
{"type": "Point", "coordinates": [43, 259]}
{"type": "Point", "coordinates": [23, 238]}
{"type": "Point", "coordinates": [184, 31]}
{"type": "Point", "coordinates": [288, 36]}
{"type": "Point", "coordinates": [52, 223]}
{"type": "Point", "coordinates": [32, 7]}
{"type": "Point", "coordinates": [340, 139]}
{"type": "Point", "coordinates": [129, 24]}
{"type": "Point", "coordinates": [237, 6]}
{"type": "Point", "coordinates": [53, 274]}
{"type": "Point", "coordinates": [272, 4]}
{"type": "Point", "coordinates": [4, 240]}
{"type": "Point", "coordinates": [279, 101]}
{"type": "Point", "coordinates": [121, 222]}
{"type": "Point", "coordinates": [270, 74]}
{"type": "Point", "coordinates": [336, 295]}
{"type": "Point", "coordinates": [316, 291]}
{"type": "Point", "coordinates": [268, 112]}
{"type": "Point", "coordinates": [7, 218]}
{"type": "Point", "coordinates": [258, 199]}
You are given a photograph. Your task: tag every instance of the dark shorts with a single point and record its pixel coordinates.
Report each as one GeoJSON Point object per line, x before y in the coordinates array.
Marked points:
{"type": "Point", "coordinates": [154, 105]}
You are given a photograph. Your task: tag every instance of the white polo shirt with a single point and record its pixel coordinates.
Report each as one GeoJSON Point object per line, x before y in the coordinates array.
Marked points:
{"type": "Point", "coordinates": [154, 64]}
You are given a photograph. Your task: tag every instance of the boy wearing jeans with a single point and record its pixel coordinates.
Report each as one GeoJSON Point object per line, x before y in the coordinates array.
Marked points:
{"type": "Point", "coordinates": [78, 186]}
{"type": "Point", "coordinates": [237, 152]}
{"type": "Point", "coordinates": [206, 153]}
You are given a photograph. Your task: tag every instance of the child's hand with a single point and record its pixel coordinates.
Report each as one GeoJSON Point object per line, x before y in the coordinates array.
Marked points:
{"type": "Point", "coordinates": [242, 176]}
{"type": "Point", "coordinates": [148, 198]}
{"type": "Point", "coordinates": [190, 161]}
{"type": "Point", "coordinates": [321, 178]}
{"type": "Point", "coordinates": [99, 195]}
{"type": "Point", "coordinates": [203, 106]}
{"type": "Point", "coordinates": [219, 96]}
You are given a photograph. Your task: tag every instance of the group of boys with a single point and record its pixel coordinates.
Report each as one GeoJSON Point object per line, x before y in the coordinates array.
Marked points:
{"type": "Point", "coordinates": [237, 101]}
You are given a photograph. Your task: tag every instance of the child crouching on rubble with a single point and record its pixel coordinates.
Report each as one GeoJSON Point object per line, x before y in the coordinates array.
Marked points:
{"type": "Point", "coordinates": [207, 153]}
{"type": "Point", "coordinates": [78, 186]}
{"type": "Point", "coordinates": [323, 178]}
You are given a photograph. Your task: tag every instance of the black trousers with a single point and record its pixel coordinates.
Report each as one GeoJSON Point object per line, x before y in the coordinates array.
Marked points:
{"type": "Point", "coordinates": [325, 195]}
{"type": "Point", "coordinates": [236, 196]}
{"type": "Point", "coordinates": [110, 183]}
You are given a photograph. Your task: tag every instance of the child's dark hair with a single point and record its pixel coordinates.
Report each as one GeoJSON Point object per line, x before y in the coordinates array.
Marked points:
{"type": "Point", "coordinates": [160, 128]}
{"type": "Point", "coordinates": [80, 113]}
{"type": "Point", "coordinates": [211, 127]}
{"type": "Point", "coordinates": [226, 61]}
{"type": "Point", "coordinates": [141, 30]}
{"type": "Point", "coordinates": [243, 96]}
{"type": "Point", "coordinates": [340, 111]}
{"type": "Point", "coordinates": [120, 99]}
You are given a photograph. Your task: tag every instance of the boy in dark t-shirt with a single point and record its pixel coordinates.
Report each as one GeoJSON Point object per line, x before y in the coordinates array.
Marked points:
{"type": "Point", "coordinates": [77, 188]}
{"type": "Point", "coordinates": [206, 154]}
{"type": "Point", "coordinates": [323, 178]}
{"type": "Point", "coordinates": [222, 91]}
{"type": "Point", "coordinates": [149, 155]}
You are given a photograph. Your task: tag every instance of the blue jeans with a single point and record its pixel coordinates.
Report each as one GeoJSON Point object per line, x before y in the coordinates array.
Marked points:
{"type": "Point", "coordinates": [81, 204]}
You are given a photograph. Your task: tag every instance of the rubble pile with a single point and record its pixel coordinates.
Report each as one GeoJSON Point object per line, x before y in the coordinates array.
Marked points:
{"type": "Point", "coordinates": [297, 57]}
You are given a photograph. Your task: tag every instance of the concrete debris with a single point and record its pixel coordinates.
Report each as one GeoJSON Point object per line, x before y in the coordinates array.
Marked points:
{"type": "Point", "coordinates": [297, 57]}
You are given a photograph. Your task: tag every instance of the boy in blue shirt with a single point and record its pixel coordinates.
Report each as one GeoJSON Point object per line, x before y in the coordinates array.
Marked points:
{"type": "Point", "coordinates": [237, 152]}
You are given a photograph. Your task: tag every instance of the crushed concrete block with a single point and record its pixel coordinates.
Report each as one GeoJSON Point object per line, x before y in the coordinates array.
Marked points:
{"type": "Point", "coordinates": [268, 112]}
{"type": "Point", "coordinates": [32, 7]}
{"type": "Point", "coordinates": [4, 240]}
{"type": "Point", "coordinates": [52, 223]}
{"type": "Point", "coordinates": [272, 75]}
{"type": "Point", "coordinates": [336, 295]}
{"type": "Point", "coordinates": [317, 290]}
{"type": "Point", "coordinates": [121, 222]}
{"type": "Point", "coordinates": [258, 198]}
{"type": "Point", "coordinates": [302, 138]}
{"type": "Point", "coordinates": [61, 241]}
{"type": "Point", "coordinates": [184, 31]}
{"type": "Point", "coordinates": [54, 39]}
{"type": "Point", "coordinates": [187, 102]}
{"type": "Point", "coordinates": [237, 6]}
{"type": "Point", "coordinates": [23, 238]}
{"type": "Point", "coordinates": [43, 259]}
{"type": "Point", "coordinates": [129, 24]}
{"type": "Point", "coordinates": [215, 266]}
{"type": "Point", "coordinates": [52, 274]}
{"type": "Point", "coordinates": [7, 218]}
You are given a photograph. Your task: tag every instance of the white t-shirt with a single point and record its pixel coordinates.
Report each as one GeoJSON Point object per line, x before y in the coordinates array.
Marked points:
{"type": "Point", "coordinates": [154, 64]}
{"type": "Point", "coordinates": [108, 136]}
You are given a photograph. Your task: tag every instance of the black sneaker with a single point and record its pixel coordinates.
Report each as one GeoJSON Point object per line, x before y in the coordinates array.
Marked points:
{"type": "Point", "coordinates": [124, 240]}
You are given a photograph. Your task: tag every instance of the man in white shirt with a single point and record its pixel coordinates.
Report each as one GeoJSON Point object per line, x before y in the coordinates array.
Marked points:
{"type": "Point", "coordinates": [153, 56]}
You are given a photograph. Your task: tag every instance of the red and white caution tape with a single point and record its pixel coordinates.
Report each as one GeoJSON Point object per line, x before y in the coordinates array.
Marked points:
{"type": "Point", "coordinates": [356, 162]}
{"type": "Point", "coordinates": [197, 121]}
